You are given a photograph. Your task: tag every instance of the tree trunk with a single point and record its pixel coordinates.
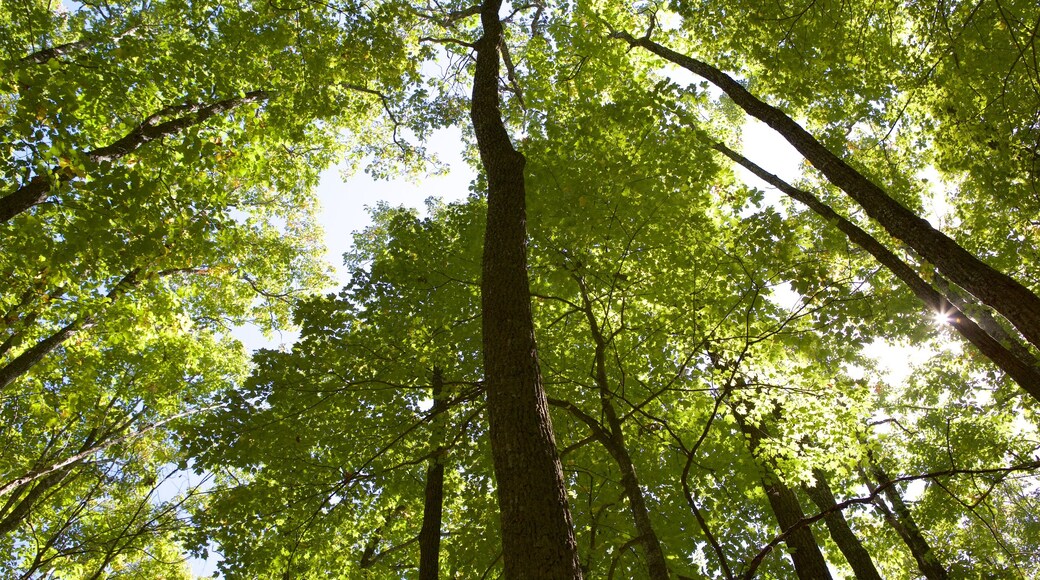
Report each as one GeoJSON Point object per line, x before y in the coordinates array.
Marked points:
{"type": "Point", "coordinates": [1016, 302]}
{"type": "Point", "coordinates": [988, 323]}
{"type": "Point", "coordinates": [430, 534]}
{"type": "Point", "coordinates": [1018, 364]}
{"type": "Point", "coordinates": [855, 554]}
{"type": "Point", "coordinates": [18, 506]}
{"type": "Point", "coordinates": [656, 564]}
{"type": "Point", "coordinates": [537, 533]}
{"type": "Point", "coordinates": [808, 560]}
{"type": "Point", "coordinates": [33, 355]}
{"type": "Point", "coordinates": [903, 523]}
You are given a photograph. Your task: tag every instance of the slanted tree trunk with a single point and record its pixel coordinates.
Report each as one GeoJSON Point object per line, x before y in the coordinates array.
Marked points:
{"type": "Point", "coordinates": [430, 534]}
{"type": "Point", "coordinates": [29, 358]}
{"type": "Point", "coordinates": [855, 554]}
{"type": "Point", "coordinates": [903, 523]}
{"type": "Point", "coordinates": [987, 336]}
{"type": "Point", "coordinates": [809, 562]}
{"type": "Point", "coordinates": [614, 442]}
{"type": "Point", "coordinates": [613, 438]}
{"type": "Point", "coordinates": [1008, 297]}
{"type": "Point", "coordinates": [537, 532]}
{"type": "Point", "coordinates": [988, 323]}
{"type": "Point", "coordinates": [21, 502]}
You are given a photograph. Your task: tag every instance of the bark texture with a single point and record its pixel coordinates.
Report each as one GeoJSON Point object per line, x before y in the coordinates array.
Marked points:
{"type": "Point", "coordinates": [537, 532]}
{"type": "Point", "coordinates": [1016, 363]}
{"type": "Point", "coordinates": [855, 554]}
{"type": "Point", "coordinates": [1008, 297]}
{"type": "Point", "coordinates": [430, 534]}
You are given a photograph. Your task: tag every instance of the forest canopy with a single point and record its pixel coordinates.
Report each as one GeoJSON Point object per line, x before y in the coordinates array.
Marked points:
{"type": "Point", "coordinates": [617, 357]}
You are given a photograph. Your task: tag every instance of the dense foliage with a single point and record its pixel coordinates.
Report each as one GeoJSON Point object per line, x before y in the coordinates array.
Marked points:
{"type": "Point", "coordinates": [704, 342]}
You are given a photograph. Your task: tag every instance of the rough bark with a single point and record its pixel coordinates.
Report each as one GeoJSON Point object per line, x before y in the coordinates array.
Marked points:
{"type": "Point", "coordinates": [903, 523]}
{"type": "Point", "coordinates": [809, 563]}
{"type": "Point", "coordinates": [1011, 362]}
{"type": "Point", "coordinates": [855, 554]}
{"type": "Point", "coordinates": [37, 189]}
{"type": "Point", "coordinates": [430, 534]}
{"type": "Point", "coordinates": [1008, 297]}
{"type": "Point", "coordinates": [537, 532]}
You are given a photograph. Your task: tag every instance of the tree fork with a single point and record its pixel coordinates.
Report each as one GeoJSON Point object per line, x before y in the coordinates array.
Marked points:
{"type": "Point", "coordinates": [537, 532]}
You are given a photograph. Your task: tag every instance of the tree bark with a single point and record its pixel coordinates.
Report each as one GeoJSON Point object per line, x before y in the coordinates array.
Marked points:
{"type": "Point", "coordinates": [1014, 363]}
{"type": "Point", "coordinates": [855, 554]}
{"type": "Point", "coordinates": [430, 534]}
{"type": "Point", "coordinates": [537, 532]}
{"type": "Point", "coordinates": [1008, 297]}
{"type": "Point", "coordinates": [903, 523]}
{"type": "Point", "coordinates": [809, 563]}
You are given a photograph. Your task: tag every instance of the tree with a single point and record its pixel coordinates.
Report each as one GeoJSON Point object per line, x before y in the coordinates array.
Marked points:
{"type": "Point", "coordinates": [615, 359]}
{"type": "Point", "coordinates": [537, 532]}
{"type": "Point", "coordinates": [154, 196]}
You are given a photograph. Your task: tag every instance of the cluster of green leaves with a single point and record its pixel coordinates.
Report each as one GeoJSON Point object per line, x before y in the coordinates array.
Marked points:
{"type": "Point", "coordinates": [174, 147]}
{"type": "Point", "coordinates": [647, 258]}
{"type": "Point", "coordinates": [689, 331]}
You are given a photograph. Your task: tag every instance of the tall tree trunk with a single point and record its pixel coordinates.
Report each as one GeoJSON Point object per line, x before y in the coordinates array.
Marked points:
{"type": "Point", "coordinates": [855, 554]}
{"type": "Point", "coordinates": [1008, 297]}
{"type": "Point", "coordinates": [1017, 363]}
{"type": "Point", "coordinates": [430, 534]}
{"type": "Point", "coordinates": [537, 532]}
{"type": "Point", "coordinates": [809, 562]}
{"type": "Point", "coordinates": [903, 523]}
